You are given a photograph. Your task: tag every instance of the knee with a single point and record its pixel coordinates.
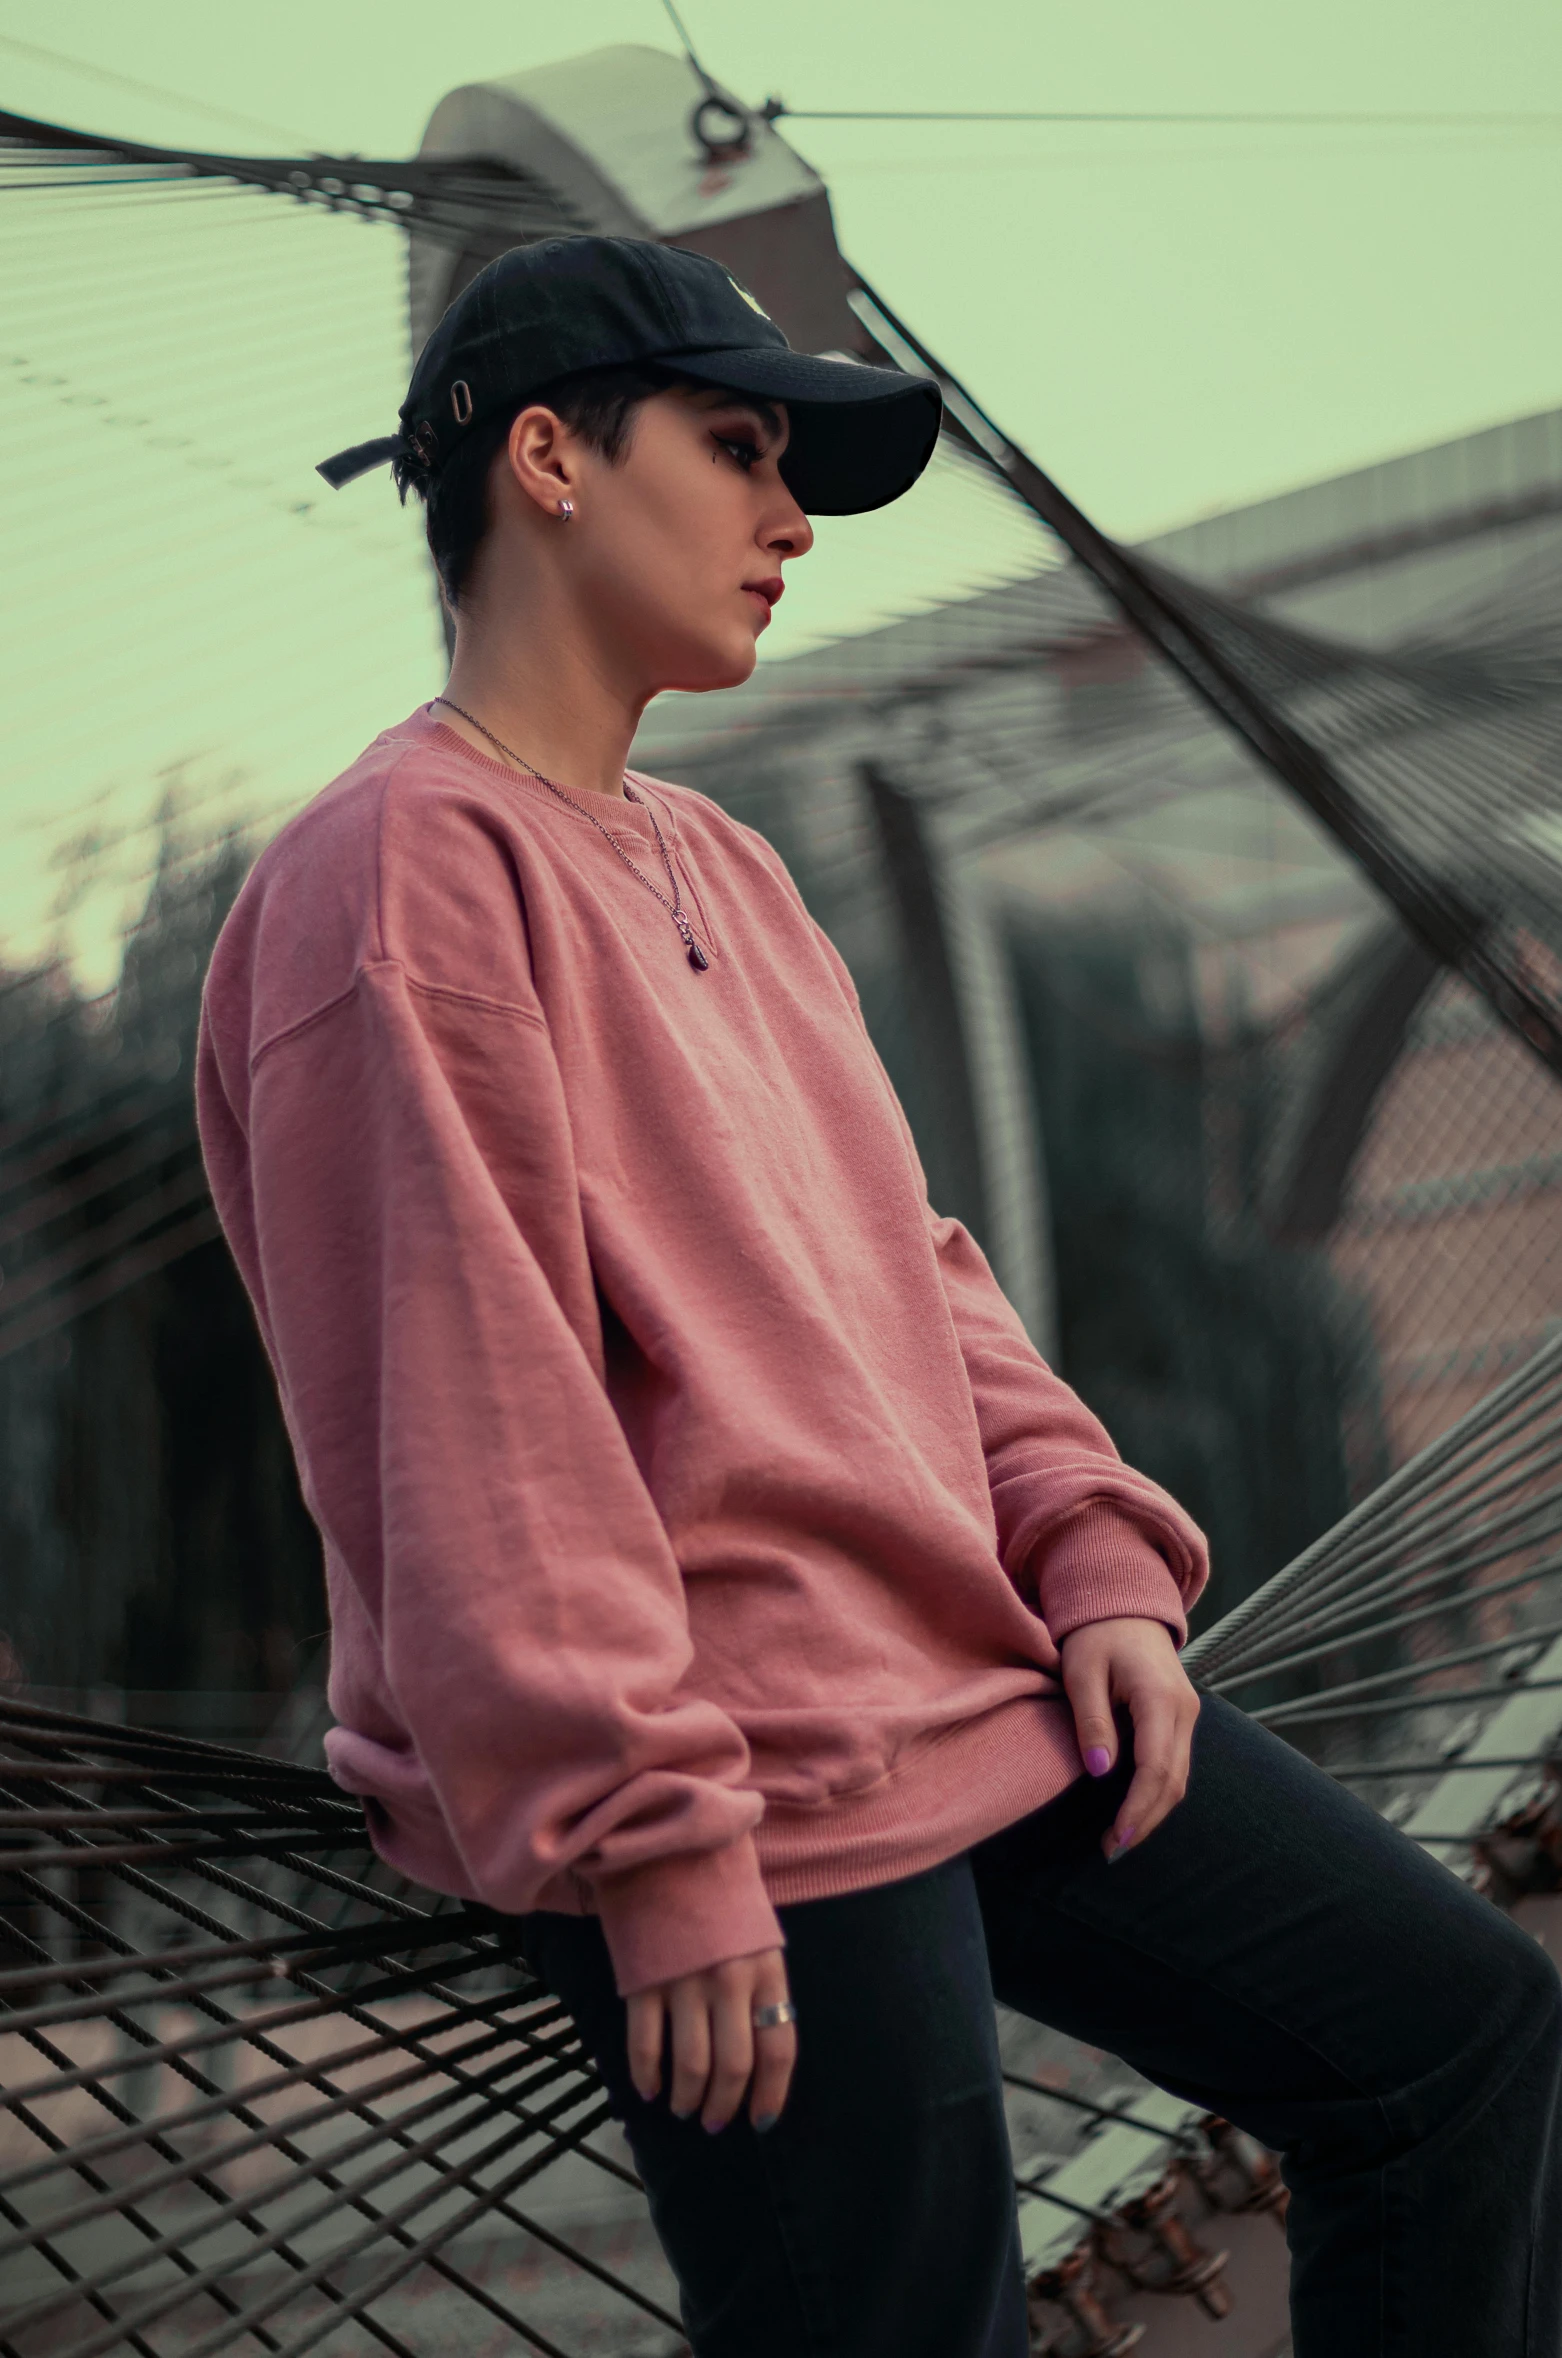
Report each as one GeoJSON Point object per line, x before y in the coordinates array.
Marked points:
{"type": "Point", "coordinates": [1476, 2036]}
{"type": "Point", "coordinates": [1539, 1985]}
{"type": "Point", "coordinates": [1515, 2002]}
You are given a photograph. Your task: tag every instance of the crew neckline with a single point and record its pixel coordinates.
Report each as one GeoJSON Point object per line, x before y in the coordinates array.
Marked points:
{"type": "Point", "coordinates": [621, 816]}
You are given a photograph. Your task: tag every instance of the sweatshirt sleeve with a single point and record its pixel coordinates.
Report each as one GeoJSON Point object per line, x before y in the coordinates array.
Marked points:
{"type": "Point", "coordinates": [436, 1336]}
{"type": "Point", "coordinates": [1079, 1532]}
{"type": "Point", "coordinates": [1083, 1536]}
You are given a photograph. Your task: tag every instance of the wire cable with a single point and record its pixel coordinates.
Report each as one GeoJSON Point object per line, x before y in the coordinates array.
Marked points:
{"type": "Point", "coordinates": [776, 110]}
{"type": "Point", "coordinates": [682, 31]}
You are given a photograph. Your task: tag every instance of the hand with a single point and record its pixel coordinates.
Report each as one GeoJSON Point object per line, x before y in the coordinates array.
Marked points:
{"type": "Point", "coordinates": [1132, 1662]}
{"type": "Point", "coordinates": [716, 2048]}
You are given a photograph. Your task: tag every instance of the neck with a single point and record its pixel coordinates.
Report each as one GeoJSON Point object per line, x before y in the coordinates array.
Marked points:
{"type": "Point", "coordinates": [544, 692]}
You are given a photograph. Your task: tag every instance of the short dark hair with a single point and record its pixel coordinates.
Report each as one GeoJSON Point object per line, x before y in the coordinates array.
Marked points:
{"type": "Point", "coordinates": [599, 403]}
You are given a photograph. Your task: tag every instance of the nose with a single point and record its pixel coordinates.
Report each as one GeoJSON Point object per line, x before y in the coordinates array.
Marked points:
{"type": "Point", "coordinates": [786, 531]}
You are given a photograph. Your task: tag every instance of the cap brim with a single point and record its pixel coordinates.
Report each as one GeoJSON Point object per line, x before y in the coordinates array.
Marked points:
{"type": "Point", "coordinates": [859, 437]}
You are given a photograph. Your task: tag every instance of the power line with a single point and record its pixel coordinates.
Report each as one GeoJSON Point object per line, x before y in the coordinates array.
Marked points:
{"type": "Point", "coordinates": [775, 109]}
{"type": "Point", "coordinates": [689, 51]}
{"type": "Point", "coordinates": [1052, 156]}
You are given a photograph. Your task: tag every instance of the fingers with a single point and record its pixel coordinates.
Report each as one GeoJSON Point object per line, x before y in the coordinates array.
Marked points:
{"type": "Point", "coordinates": [689, 2005]}
{"type": "Point", "coordinates": [732, 2042]}
{"type": "Point", "coordinates": [775, 2049]}
{"type": "Point", "coordinates": [716, 2051]}
{"type": "Point", "coordinates": [647, 2017]}
{"type": "Point", "coordinates": [1087, 1683]}
{"type": "Point", "coordinates": [1132, 1660]}
{"type": "Point", "coordinates": [1163, 1738]}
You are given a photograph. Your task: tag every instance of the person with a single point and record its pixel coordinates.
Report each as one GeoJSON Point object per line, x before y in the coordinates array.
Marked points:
{"type": "Point", "coordinates": [720, 1580]}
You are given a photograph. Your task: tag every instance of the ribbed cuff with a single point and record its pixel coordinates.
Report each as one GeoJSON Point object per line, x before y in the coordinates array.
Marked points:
{"type": "Point", "coordinates": [679, 1915]}
{"type": "Point", "coordinates": [1100, 1567]}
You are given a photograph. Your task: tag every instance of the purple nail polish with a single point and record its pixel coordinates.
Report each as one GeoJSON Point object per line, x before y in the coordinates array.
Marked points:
{"type": "Point", "coordinates": [1124, 1842]}
{"type": "Point", "coordinates": [765, 2122]}
{"type": "Point", "coordinates": [1098, 1760]}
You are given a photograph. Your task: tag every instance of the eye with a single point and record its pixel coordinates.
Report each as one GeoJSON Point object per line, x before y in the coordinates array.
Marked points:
{"type": "Point", "coordinates": [741, 447]}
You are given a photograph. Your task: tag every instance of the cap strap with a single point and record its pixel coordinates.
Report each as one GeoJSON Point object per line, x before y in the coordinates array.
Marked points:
{"type": "Point", "coordinates": [361, 457]}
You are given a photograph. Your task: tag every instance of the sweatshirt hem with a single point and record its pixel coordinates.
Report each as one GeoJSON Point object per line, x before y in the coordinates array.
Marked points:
{"type": "Point", "coordinates": [966, 1784]}
{"type": "Point", "coordinates": [980, 1777]}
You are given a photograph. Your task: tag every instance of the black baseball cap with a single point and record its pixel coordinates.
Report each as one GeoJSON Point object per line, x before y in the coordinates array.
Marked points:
{"type": "Point", "coordinates": [860, 436]}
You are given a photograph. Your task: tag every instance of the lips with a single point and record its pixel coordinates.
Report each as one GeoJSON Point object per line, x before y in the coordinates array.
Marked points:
{"type": "Point", "coordinates": [769, 589]}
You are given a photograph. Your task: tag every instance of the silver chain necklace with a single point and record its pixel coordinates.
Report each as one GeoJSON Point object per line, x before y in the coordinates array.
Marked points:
{"type": "Point", "coordinates": [674, 907]}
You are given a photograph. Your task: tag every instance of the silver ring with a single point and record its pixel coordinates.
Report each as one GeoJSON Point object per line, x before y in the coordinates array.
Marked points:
{"type": "Point", "coordinates": [772, 2017]}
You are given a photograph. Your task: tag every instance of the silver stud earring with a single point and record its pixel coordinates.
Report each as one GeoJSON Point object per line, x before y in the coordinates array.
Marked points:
{"type": "Point", "coordinates": [566, 510]}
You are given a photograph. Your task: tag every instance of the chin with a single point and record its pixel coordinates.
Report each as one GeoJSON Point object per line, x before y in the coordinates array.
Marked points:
{"type": "Point", "coordinates": [726, 666]}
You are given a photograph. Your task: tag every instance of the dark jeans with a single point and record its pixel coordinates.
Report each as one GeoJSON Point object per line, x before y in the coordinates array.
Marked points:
{"type": "Point", "coordinates": [1274, 1952]}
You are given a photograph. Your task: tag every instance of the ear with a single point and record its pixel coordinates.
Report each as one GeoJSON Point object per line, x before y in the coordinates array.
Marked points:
{"type": "Point", "coordinates": [544, 458]}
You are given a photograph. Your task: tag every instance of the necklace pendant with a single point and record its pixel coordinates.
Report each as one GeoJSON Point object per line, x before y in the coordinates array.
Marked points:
{"type": "Point", "coordinates": [697, 958]}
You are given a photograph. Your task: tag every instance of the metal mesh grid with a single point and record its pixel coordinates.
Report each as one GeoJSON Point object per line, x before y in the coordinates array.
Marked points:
{"type": "Point", "coordinates": [258, 2093]}
{"type": "Point", "coordinates": [1416, 1649]}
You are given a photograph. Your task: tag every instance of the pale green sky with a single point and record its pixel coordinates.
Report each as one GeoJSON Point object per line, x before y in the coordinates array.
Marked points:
{"type": "Point", "coordinates": [1173, 320]}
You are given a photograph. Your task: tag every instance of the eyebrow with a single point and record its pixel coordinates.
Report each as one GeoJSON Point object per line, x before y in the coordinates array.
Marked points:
{"type": "Point", "coordinates": [765, 411]}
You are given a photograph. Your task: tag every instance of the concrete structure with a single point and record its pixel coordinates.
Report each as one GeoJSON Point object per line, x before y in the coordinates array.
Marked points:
{"type": "Point", "coordinates": [1058, 772]}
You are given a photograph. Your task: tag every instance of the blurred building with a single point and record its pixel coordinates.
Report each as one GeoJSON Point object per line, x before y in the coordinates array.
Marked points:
{"type": "Point", "coordinates": [1282, 1192]}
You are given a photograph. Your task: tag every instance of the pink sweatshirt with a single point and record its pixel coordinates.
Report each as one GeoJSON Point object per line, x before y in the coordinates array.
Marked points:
{"type": "Point", "coordinates": [698, 1517]}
